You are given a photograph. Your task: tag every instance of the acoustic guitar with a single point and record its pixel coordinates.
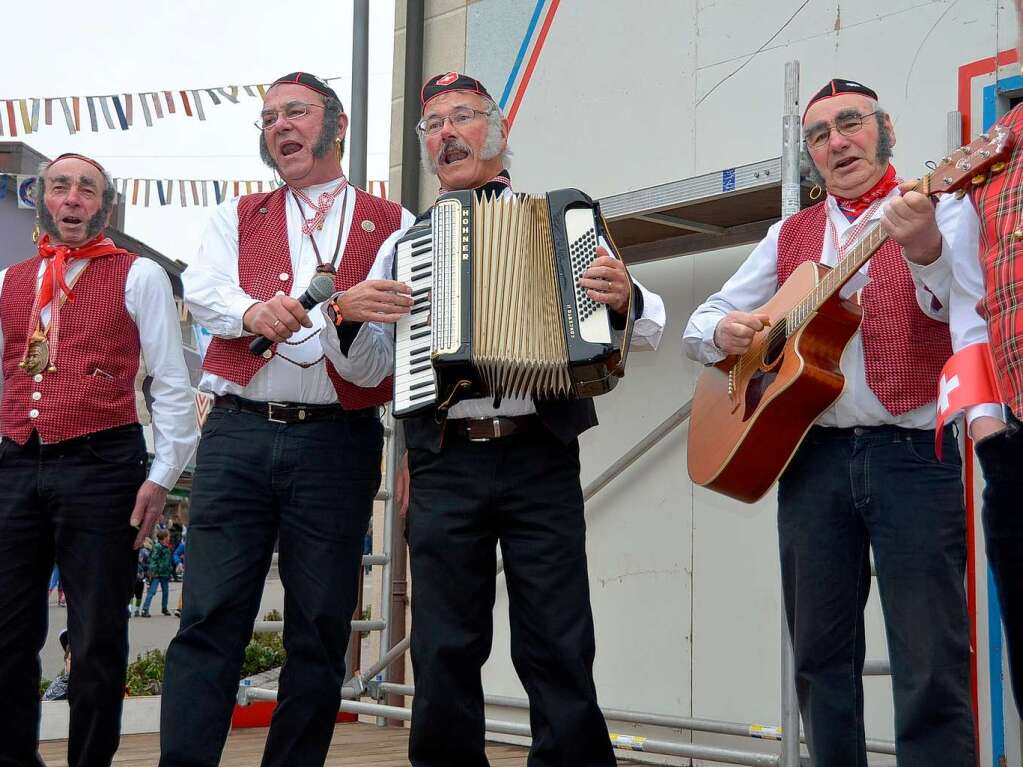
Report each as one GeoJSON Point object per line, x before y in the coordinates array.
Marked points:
{"type": "Point", "coordinates": [751, 411]}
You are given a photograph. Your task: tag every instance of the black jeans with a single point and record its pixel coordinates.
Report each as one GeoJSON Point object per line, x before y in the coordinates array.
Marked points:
{"type": "Point", "coordinates": [312, 486]}
{"type": "Point", "coordinates": [1001, 457]}
{"type": "Point", "coordinates": [847, 491]}
{"type": "Point", "coordinates": [523, 493]}
{"type": "Point", "coordinates": [70, 502]}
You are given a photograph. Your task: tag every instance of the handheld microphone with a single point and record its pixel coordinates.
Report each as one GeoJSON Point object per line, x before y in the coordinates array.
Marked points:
{"type": "Point", "coordinates": [320, 289]}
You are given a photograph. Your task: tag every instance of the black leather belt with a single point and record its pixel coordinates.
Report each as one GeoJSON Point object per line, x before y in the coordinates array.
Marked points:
{"type": "Point", "coordinates": [290, 412]}
{"type": "Point", "coordinates": [486, 429]}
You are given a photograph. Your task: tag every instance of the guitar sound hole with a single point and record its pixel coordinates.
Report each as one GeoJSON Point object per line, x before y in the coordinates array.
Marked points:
{"type": "Point", "coordinates": [758, 384]}
{"type": "Point", "coordinates": [775, 346]}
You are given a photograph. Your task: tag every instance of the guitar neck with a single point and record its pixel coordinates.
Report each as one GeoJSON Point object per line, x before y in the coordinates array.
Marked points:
{"type": "Point", "coordinates": [833, 281]}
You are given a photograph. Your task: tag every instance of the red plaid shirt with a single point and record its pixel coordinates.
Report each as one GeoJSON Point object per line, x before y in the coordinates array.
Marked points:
{"type": "Point", "coordinates": [999, 204]}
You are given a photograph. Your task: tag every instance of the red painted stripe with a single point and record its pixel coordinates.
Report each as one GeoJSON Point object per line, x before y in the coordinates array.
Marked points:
{"type": "Point", "coordinates": [971, 582]}
{"type": "Point", "coordinates": [966, 74]}
{"type": "Point", "coordinates": [541, 38]}
{"type": "Point", "coordinates": [185, 104]}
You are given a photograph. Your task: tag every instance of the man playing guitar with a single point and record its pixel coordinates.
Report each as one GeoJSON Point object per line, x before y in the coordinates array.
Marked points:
{"type": "Point", "coordinates": [866, 476]}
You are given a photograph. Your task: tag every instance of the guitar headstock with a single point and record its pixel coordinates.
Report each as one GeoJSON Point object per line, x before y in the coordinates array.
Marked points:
{"type": "Point", "coordinates": [970, 165]}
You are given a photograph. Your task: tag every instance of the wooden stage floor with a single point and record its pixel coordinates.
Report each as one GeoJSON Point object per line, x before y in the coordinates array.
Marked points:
{"type": "Point", "coordinates": [354, 745]}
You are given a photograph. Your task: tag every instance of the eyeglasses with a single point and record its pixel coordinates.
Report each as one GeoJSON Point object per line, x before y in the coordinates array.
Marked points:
{"type": "Point", "coordinates": [459, 117]}
{"type": "Point", "coordinates": [292, 111]}
{"type": "Point", "coordinates": [848, 125]}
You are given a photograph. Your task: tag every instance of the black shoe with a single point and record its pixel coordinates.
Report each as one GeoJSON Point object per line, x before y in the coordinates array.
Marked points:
{"type": "Point", "coordinates": [166, 612]}
{"type": "Point", "coordinates": [144, 614]}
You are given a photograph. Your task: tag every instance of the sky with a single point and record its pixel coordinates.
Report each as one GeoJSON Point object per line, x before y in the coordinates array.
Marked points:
{"type": "Point", "coordinates": [125, 46]}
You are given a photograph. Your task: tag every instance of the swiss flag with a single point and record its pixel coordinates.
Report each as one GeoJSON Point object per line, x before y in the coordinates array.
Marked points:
{"type": "Point", "coordinates": [967, 379]}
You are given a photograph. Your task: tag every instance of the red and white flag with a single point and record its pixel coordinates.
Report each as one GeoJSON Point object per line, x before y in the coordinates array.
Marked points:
{"type": "Point", "coordinates": [967, 379]}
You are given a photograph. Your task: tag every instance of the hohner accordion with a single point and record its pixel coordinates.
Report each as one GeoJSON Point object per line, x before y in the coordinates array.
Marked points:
{"type": "Point", "coordinates": [497, 309]}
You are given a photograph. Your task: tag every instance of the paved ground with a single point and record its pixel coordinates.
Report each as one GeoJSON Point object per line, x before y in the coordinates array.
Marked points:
{"type": "Point", "coordinates": [156, 632]}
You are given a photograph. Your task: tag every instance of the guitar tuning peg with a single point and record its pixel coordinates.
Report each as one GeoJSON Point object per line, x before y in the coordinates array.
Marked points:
{"type": "Point", "coordinates": [979, 179]}
{"type": "Point", "coordinates": [930, 165]}
{"type": "Point", "coordinates": [998, 167]}
{"type": "Point", "coordinates": [960, 194]}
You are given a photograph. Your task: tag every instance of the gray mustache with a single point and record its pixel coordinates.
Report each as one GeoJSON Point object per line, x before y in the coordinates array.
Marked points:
{"type": "Point", "coordinates": [449, 145]}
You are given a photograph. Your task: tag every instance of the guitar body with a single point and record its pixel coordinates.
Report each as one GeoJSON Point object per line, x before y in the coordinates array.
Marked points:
{"type": "Point", "coordinates": [746, 424]}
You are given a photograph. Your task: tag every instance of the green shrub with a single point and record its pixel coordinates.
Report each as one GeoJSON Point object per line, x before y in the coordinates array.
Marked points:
{"type": "Point", "coordinates": [264, 652]}
{"type": "Point", "coordinates": [145, 674]}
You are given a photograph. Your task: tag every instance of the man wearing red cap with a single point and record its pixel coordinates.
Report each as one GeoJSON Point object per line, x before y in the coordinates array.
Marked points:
{"type": "Point", "coordinates": [866, 476]}
{"type": "Point", "coordinates": [291, 449]}
{"type": "Point", "coordinates": [509, 476]}
{"type": "Point", "coordinates": [78, 323]}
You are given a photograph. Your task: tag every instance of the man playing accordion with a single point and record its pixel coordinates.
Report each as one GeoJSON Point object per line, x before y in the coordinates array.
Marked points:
{"type": "Point", "coordinates": [483, 475]}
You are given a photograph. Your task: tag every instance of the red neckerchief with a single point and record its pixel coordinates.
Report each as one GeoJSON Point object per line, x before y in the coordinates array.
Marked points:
{"type": "Point", "coordinates": [854, 208]}
{"type": "Point", "coordinates": [57, 257]}
{"type": "Point", "coordinates": [54, 281]}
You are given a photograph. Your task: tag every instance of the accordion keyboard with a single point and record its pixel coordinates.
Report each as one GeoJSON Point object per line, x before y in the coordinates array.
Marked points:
{"type": "Point", "coordinates": [429, 262]}
{"type": "Point", "coordinates": [414, 380]}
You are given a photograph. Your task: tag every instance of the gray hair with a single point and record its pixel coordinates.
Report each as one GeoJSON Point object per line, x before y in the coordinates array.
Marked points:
{"type": "Point", "coordinates": [96, 224]}
{"type": "Point", "coordinates": [883, 155]}
{"type": "Point", "coordinates": [491, 146]}
{"type": "Point", "coordinates": [332, 111]}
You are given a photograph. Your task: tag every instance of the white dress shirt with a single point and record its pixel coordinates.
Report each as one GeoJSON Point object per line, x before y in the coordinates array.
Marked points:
{"type": "Point", "coordinates": [966, 326]}
{"type": "Point", "coordinates": [218, 302]}
{"type": "Point", "coordinates": [756, 281]}
{"type": "Point", "coordinates": [379, 362]}
{"type": "Point", "coordinates": [149, 301]}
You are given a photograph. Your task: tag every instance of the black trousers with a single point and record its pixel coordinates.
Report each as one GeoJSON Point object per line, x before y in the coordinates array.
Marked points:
{"type": "Point", "coordinates": [848, 491]}
{"type": "Point", "coordinates": [1001, 457]}
{"type": "Point", "coordinates": [310, 485]}
{"type": "Point", "coordinates": [70, 502]}
{"type": "Point", "coordinates": [520, 492]}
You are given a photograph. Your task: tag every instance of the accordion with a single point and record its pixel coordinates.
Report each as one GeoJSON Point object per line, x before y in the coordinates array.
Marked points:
{"type": "Point", "coordinates": [497, 310]}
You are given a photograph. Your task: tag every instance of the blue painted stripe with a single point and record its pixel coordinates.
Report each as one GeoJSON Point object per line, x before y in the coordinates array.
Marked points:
{"type": "Point", "coordinates": [522, 53]}
{"type": "Point", "coordinates": [994, 628]}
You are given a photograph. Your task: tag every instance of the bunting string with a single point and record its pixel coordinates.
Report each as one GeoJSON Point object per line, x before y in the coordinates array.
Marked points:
{"type": "Point", "coordinates": [182, 192]}
{"type": "Point", "coordinates": [20, 116]}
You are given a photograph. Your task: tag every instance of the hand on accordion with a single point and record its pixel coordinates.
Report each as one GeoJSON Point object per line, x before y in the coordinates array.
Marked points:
{"type": "Point", "coordinates": [375, 301]}
{"type": "Point", "coordinates": [607, 282]}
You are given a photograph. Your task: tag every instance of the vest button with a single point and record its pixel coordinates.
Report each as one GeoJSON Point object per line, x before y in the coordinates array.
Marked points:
{"type": "Point", "coordinates": [279, 293]}
{"type": "Point", "coordinates": [368, 226]}
{"type": "Point", "coordinates": [33, 413]}
{"type": "Point", "coordinates": [36, 395]}
{"type": "Point", "coordinates": [283, 276]}
{"type": "Point", "coordinates": [267, 354]}
{"type": "Point", "coordinates": [38, 377]}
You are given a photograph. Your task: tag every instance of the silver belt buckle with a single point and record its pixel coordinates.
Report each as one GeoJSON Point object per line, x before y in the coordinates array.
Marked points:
{"type": "Point", "coordinates": [496, 422]}
{"type": "Point", "coordinates": [270, 412]}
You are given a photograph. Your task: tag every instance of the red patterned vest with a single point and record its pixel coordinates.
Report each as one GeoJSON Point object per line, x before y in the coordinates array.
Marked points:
{"type": "Point", "coordinates": [264, 255]}
{"type": "Point", "coordinates": [999, 204]}
{"type": "Point", "coordinates": [97, 356]}
{"type": "Point", "coordinates": [903, 349]}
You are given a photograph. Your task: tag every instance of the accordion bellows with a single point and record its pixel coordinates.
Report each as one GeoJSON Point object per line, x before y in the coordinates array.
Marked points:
{"type": "Point", "coordinates": [518, 345]}
{"type": "Point", "coordinates": [497, 307]}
